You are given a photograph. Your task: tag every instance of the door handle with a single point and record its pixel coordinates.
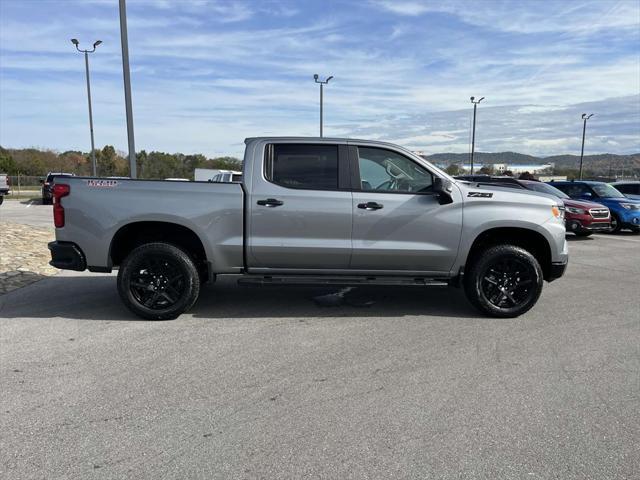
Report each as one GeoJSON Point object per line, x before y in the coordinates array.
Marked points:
{"type": "Point", "coordinates": [370, 206]}
{"type": "Point", "coordinates": [270, 202]}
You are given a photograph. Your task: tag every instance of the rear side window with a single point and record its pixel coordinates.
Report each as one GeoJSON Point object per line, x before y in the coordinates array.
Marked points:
{"type": "Point", "coordinates": [311, 167]}
{"type": "Point", "coordinates": [630, 188]}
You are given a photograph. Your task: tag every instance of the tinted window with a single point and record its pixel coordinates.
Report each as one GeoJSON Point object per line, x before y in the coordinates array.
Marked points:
{"type": "Point", "coordinates": [607, 191]}
{"type": "Point", "coordinates": [313, 167]}
{"type": "Point", "coordinates": [574, 190]}
{"type": "Point", "coordinates": [548, 189]}
{"type": "Point", "coordinates": [630, 188]}
{"type": "Point", "coordinates": [386, 171]}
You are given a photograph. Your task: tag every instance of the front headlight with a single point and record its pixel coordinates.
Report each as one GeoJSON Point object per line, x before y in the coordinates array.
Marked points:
{"type": "Point", "coordinates": [557, 211]}
{"type": "Point", "coordinates": [630, 206]}
{"type": "Point", "coordinates": [577, 211]}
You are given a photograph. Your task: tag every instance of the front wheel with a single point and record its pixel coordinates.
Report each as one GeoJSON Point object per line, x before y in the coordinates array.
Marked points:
{"type": "Point", "coordinates": [615, 224]}
{"type": "Point", "coordinates": [158, 281]}
{"type": "Point", "coordinates": [504, 281]}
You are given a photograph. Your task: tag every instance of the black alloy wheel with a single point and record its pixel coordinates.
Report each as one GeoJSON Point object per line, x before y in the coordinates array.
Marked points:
{"type": "Point", "coordinates": [507, 282]}
{"type": "Point", "coordinates": [504, 281]}
{"type": "Point", "coordinates": [158, 281]}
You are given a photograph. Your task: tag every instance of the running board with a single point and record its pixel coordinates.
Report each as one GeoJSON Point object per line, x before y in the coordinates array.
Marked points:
{"type": "Point", "coordinates": [323, 280]}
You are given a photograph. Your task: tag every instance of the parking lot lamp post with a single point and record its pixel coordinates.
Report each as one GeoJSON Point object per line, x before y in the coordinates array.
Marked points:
{"type": "Point", "coordinates": [322, 84]}
{"type": "Point", "coordinates": [86, 65]}
{"type": "Point", "coordinates": [585, 117]}
{"type": "Point", "coordinates": [473, 135]}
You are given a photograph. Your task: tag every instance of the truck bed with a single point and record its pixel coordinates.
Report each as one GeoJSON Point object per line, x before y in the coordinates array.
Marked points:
{"type": "Point", "coordinates": [97, 208]}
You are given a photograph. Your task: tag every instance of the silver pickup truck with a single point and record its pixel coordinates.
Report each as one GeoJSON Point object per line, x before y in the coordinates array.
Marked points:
{"type": "Point", "coordinates": [312, 211]}
{"type": "Point", "coordinates": [5, 189]}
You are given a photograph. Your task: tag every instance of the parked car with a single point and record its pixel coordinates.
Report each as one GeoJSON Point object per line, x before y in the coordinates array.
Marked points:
{"type": "Point", "coordinates": [625, 212]}
{"type": "Point", "coordinates": [5, 186]}
{"type": "Point", "coordinates": [227, 176]}
{"type": "Point", "coordinates": [501, 180]}
{"type": "Point", "coordinates": [312, 211]}
{"type": "Point", "coordinates": [629, 188]}
{"type": "Point", "coordinates": [47, 186]}
{"type": "Point", "coordinates": [580, 216]}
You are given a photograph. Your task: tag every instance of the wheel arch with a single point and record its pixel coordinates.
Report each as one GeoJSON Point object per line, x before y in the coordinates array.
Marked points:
{"type": "Point", "coordinates": [526, 238]}
{"type": "Point", "coordinates": [134, 234]}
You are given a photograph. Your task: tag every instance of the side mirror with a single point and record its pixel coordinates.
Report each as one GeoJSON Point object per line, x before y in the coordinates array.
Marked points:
{"type": "Point", "coordinates": [443, 188]}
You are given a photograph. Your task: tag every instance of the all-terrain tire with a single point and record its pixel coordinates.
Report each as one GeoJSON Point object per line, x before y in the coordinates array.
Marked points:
{"type": "Point", "coordinates": [158, 281]}
{"type": "Point", "coordinates": [482, 285]}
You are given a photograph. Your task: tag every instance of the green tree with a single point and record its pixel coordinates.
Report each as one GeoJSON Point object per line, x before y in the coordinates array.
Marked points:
{"type": "Point", "coordinates": [7, 164]}
{"type": "Point", "coordinates": [453, 169]}
{"type": "Point", "coordinates": [110, 163]}
{"type": "Point", "coordinates": [486, 170]}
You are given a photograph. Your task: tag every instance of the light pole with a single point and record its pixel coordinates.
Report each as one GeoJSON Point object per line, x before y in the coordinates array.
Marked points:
{"type": "Point", "coordinates": [585, 117]}
{"type": "Point", "coordinates": [473, 138]}
{"type": "Point", "coordinates": [322, 84]}
{"type": "Point", "coordinates": [86, 65]}
{"type": "Point", "coordinates": [126, 75]}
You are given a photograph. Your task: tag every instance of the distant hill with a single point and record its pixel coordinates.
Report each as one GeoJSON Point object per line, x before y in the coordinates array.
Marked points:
{"type": "Point", "coordinates": [599, 163]}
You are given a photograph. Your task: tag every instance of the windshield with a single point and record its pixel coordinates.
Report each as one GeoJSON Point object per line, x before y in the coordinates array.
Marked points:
{"type": "Point", "coordinates": [548, 189]}
{"type": "Point", "coordinates": [607, 191]}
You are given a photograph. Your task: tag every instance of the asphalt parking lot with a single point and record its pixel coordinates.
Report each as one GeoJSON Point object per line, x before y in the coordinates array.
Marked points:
{"type": "Point", "coordinates": [265, 383]}
{"type": "Point", "coordinates": [28, 212]}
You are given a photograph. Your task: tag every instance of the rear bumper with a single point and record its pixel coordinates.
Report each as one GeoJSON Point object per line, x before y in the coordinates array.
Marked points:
{"type": "Point", "coordinates": [557, 270]}
{"type": "Point", "coordinates": [67, 256]}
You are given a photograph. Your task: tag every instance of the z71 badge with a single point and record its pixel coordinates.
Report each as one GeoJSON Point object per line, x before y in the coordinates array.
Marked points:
{"type": "Point", "coordinates": [102, 183]}
{"type": "Point", "coordinates": [480, 194]}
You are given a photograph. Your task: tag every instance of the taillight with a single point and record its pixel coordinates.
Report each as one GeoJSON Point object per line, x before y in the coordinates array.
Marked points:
{"type": "Point", "coordinates": [59, 190]}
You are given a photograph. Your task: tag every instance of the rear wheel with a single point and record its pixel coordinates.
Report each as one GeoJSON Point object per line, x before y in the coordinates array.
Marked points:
{"type": "Point", "coordinates": [1, 199]}
{"type": "Point", "coordinates": [158, 281]}
{"type": "Point", "coordinates": [504, 281]}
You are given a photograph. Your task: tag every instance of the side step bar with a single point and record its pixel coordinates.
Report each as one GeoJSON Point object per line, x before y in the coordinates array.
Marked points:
{"type": "Point", "coordinates": [323, 280]}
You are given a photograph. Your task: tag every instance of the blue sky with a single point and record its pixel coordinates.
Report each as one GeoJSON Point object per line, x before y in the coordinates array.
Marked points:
{"type": "Point", "coordinates": [207, 74]}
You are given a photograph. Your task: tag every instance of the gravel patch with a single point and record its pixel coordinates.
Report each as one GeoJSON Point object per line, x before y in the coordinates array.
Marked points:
{"type": "Point", "coordinates": [24, 256]}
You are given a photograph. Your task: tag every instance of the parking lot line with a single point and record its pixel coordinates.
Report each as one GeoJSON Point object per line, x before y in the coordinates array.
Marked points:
{"type": "Point", "coordinates": [624, 239]}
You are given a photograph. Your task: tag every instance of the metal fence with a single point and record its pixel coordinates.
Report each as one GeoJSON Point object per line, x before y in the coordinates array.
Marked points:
{"type": "Point", "coordinates": [20, 183]}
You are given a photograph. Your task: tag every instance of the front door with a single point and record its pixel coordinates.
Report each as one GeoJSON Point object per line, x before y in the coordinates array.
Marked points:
{"type": "Point", "coordinates": [398, 223]}
{"type": "Point", "coordinates": [300, 208]}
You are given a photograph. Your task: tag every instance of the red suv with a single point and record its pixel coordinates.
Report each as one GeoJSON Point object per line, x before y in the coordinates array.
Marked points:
{"type": "Point", "coordinates": [580, 216]}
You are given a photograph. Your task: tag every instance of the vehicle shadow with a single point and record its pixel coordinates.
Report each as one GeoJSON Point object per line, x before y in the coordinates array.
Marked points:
{"type": "Point", "coordinates": [31, 201]}
{"type": "Point", "coordinates": [94, 297]}
{"type": "Point", "coordinates": [575, 238]}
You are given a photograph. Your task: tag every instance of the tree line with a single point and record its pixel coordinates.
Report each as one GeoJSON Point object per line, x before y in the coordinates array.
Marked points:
{"type": "Point", "coordinates": [109, 163]}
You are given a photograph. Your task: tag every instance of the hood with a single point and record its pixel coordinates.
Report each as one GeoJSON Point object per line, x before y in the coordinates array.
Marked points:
{"type": "Point", "coordinates": [619, 200]}
{"type": "Point", "coordinates": [471, 191]}
{"type": "Point", "coordinates": [583, 204]}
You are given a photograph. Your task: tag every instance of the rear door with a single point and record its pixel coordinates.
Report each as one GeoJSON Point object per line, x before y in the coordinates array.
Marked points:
{"type": "Point", "coordinates": [300, 208]}
{"type": "Point", "coordinates": [398, 223]}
